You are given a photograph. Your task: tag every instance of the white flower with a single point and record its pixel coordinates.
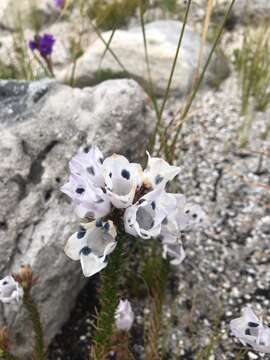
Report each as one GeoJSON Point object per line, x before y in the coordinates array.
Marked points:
{"type": "Point", "coordinates": [145, 217]}
{"type": "Point", "coordinates": [91, 244]}
{"type": "Point", "coordinates": [10, 290]}
{"type": "Point", "coordinates": [190, 217]}
{"type": "Point", "coordinates": [158, 172]}
{"type": "Point", "coordinates": [251, 331]}
{"type": "Point", "coordinates": [181, 217]}
{"type": "Point", "coordinates": [89, 201]}
{"type": "Point", "coordinates": [175, 252]}
{"type": "Point", "coordinates": [122, 179]}
{"type": "Point", "coordinates": [89, 165]}
{"type": "Point", "coordinates": [124, 316]}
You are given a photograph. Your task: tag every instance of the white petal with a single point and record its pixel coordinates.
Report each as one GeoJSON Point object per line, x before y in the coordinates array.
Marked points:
{"type": "Point", "coordinates": [159, 172]}
{"type": "Point", "coordinates": [91, 264]}
{"type": "Point", "coordinates": [249, 330]}
{"type": "Point", "coordinates": [9, 289]}
{"type": "Point", "coordinates": [192, 216]}
{"type": "Point", "coordinates": [129, 220]}
{"type": "Point", "coordinates": [175, 252]}
{"type": "Point", "coordinates": [145, 217]}
{"type": "Point", "coordinates": [88, 165]}
{"type": "Point", "coordinates": [122, 179]}
{"type": "Point", "coordinates": [75, 243]}
{"type": "Point", "coordinates": [101, 238]}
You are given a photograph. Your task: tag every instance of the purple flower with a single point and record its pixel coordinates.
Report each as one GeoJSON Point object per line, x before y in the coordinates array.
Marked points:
{"type": "Point", "coordinates": [44, 44]}
{"type": "Point", "coordinates": [32, 45]}
{"type": "Point", "coordinates": [60, 3]}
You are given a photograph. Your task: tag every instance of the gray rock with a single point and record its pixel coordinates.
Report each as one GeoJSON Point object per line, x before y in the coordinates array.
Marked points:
{"type": "Point", "coordinates": [42, 125]}
{"type": "Point", "coordinates": [13, 12]}
{"type": "Point", "coordinates": [255, 9]}
{"type": "Point", "coordinates": [162, 39]}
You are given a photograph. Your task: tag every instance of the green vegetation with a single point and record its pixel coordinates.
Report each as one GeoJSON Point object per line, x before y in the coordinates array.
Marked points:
{"type": "Point", "coordinates": [252, 62]}
{"type": "Point", "coordinates": [110, 15]}
{"type": "Point", "coordinates": [169, 5]}
{"type": "Point", "coordinates": [155, 274]}
{"type": "Point", "coordinates": [8, 71]}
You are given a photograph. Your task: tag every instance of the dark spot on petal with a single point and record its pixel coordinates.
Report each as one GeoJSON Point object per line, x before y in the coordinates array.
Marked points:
{"type": "Point", "coordinates": [194, 216]}
{"type": "Point", "coordinates": [80, 190]}
{"type": "Point", "coordinates": [152, 224]}
{"type": "Point", "coordinates": [91, 170]}
{"type": "Point", "coordinates": [106, 226]}
{"type": "Point", "coordinates": [143, 233]}
{"type": "Point", "coordinates": [253, 324]}
{"type": "Point", "coordinates": [247, 332]}
{"type": "Point", "coordinates": [153, 204]}
{"type": "Point", "coordinates": [158, 179]}
{"type": "Point", "coordinates": [165, 221]}
{"type": "Point", "coordinates": [5, 282]}
{"type": "Point", "coordinates": [129, 220]}
{"type": "Point", "coordinates": [99, 223]}
{"type": "Point", "coordinates": [85, 251]}
{"type": "Point", "coordinates": [110, 174]}
{"type": "Point", "coordinates": [101, 160]}
{"type": "Point", "coordinates": [187, 211]}
{"type": "Point", "coordinates": [141, 201]}
{"type": "Point", "coordinates": [81, 233]}
{"type": "Point", "coordinates": [125, 174]}
{"type": "Point", "coordinates": [99, 201]}
{"type": "Point", "coordinates": [90, 215]}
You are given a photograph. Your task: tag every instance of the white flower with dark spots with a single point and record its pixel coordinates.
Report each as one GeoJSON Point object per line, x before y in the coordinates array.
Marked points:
{"type": "Point", "coordinates": [91, 245]}
{"type": "Point", "coordinates": [89, 201]}
{"type": "Point", "coordinates": [158, 172]}
{"type": "Point", "coordinates": [181, 217]}
{"type": "Point", "coordinates": [122, 179]}
{"type": "Point", "coordinates": [190, 217]}
{"type": "Point", "coordinates": [144, 218]}
{"type": "Point", "coordinates": [10, 290]}
{"type": "Point", "coordinates": [88, 165]}
{"type": "Point", "coordinates": [124, 316]}
{"type": "Point", "coordinates": [251, 331]}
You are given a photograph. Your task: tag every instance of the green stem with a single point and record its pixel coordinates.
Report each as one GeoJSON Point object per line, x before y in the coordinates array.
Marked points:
{"type": "Point", "coordinates": [110, 281]}
{"type": "Point", "coordinates": [108, 48]}
{"type": "Point", "coordinates": [30, 305]}
{"type": "Point", "coordinates": [150, 81]}
{"type": "Point", "coordinates": [160, 113]}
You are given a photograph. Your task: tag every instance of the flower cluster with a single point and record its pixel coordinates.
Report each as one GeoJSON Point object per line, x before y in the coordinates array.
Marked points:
{"type": "Point", "coordinates": [113, 194]}
{"type": "Point", "coordinates": [43, 44]}
{"type": "Point", "coordinates": [251, 331]}
{"type": "Point", "coordinates": [10, 290]}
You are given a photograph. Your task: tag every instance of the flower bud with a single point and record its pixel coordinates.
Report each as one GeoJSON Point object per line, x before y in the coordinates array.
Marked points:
{"type": "Point", "coordinates": [124, 316]}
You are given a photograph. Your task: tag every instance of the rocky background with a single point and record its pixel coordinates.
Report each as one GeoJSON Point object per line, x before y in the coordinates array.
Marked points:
{"type": "Point", "coordinates": [43, 123]}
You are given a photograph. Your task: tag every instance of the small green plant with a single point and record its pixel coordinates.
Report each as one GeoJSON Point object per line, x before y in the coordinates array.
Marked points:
{"type": "Point", "coordinates": [169, 5]}
{"type": "Point", "coordinates": [8, 71]}
{"type": "Point", "coordinates": [109, 15]}
{"type": "Point", "coordinates": [109, 296]}
{"type": "Point", "coordinates": [252, 62]}
{"type": "Point", "coordinates": [155, 274]}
